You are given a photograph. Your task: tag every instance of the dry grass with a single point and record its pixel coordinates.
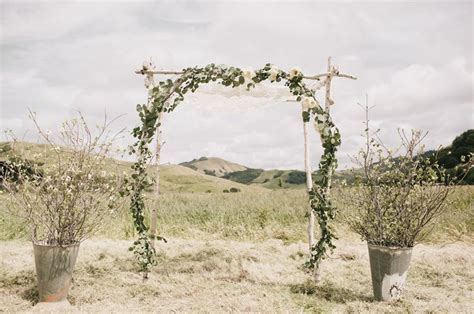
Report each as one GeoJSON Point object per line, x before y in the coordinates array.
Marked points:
{"type": "Point", "coordinates": [242, 252]}
{"type": "Point", "coordinates": [220, 275]}
{"type": "Point", "coordinates": [251, 215]}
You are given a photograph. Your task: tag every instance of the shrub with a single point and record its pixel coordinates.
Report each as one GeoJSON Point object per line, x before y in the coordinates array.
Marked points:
{"type": "Point", "coordinates": [225, 191]}
{"type": "Point", "coordinates": [245, 176]}
{"type": "Point", "coordinates": [234, 190]}
{"type": "Point", "coordinates": [5, 148]}
{"type": "Point", "coordinates": [66, 200]}
{"type": "Point", "coordinates": [210, 172]}
{"type": "Point", "coordinates": [278, 174]}
{"type": "Point", "coordinates": [296, 177]}
{"type": "Point", "coordinates": [10, 170]}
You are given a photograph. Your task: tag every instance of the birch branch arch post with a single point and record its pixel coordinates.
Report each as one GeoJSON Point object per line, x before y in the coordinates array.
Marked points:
{"type": "Point", "coordinates": [164, 96]}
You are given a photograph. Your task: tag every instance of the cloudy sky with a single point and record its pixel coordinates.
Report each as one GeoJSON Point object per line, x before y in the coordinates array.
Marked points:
{"type": "Point", "coordinates": [414, 60]}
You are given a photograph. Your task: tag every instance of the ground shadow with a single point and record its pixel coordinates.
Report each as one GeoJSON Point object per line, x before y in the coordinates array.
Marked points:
{"type": "Point", "coordinates": [19, 281]}
{"type": "Point", "coordinates": [329, 291]}
{"type": "Point", "coordinates": [31, 295]}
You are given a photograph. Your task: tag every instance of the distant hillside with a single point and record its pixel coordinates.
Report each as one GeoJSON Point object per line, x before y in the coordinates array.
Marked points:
{"type": "Point", "coordinates": [272, 179]}
{"type": "Point", "coordinates": [278, 179]}
{"type": "Point", "coordinates": [213, 166]}
{"type": "Point", "coordinates": [173, 178]}
{"type": "Point", "coordinates": [177, 178]}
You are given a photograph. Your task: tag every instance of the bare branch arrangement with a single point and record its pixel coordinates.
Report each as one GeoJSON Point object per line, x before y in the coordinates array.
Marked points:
{"type": "Point", "coordinates": [399, 193]}
{"type": "Point", "coordinates": [66, 199]}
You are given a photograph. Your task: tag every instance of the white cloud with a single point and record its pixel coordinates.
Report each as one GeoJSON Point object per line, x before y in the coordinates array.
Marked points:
{"type": "Point", "coordinates": [414, 60]}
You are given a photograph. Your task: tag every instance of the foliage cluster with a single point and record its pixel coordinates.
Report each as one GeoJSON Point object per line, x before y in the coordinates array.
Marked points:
{"type": "Point", "coordinates": [296, 177]}
{"type": "Point", "coordinates": [210, 172]}
{"type": "Point", "coordinates": [244, 176]}
{"type": "Point", "coordinates": [454, 157]}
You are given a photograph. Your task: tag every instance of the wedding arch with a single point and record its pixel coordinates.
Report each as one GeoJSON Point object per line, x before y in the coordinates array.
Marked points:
{"type": "Point", "coordinates": [164, 96]}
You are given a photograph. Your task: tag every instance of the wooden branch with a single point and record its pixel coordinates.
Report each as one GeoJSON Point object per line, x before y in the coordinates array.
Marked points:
{"type": "Point", "coordinates": [309, 186]}
{"type": "Point", "coordinates": [336, 74]}
{"type": "Point", "coordinates": [144, 72]}
{"type": "Point", "coordinates": [328, 100]}
{"type": "Point", "coordinates": [156, 192]}
{"type": "Point", "coordinates": [314, 77]}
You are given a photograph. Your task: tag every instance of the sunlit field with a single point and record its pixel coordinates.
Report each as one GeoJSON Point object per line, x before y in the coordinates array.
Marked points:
{"type": "Point", "coordinates": [244, 252]}
{"type": "Point", "coordinates": [256, 214]}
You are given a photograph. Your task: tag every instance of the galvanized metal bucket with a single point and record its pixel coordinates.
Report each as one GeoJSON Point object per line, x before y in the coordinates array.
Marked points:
{"type": "Point", "coordinates": [54, 267]}
{"type": "Point", "coordinates": [389, 268]}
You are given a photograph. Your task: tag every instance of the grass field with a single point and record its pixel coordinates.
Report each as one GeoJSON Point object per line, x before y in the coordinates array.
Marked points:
{"type": "Point", "coordinates": [255, 214]}
{"type": "Point", "coordinates": [242, 252]}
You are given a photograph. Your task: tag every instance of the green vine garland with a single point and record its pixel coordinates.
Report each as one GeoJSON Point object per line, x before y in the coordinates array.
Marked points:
{"type": "Point", "coordinates": [166, 95]}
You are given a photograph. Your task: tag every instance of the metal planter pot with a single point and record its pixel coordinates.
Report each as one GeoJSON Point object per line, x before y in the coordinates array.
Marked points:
{"type": "Point", "coordinates": [54, 267]}
{"type": "Point", "coordinates": [389, 268]}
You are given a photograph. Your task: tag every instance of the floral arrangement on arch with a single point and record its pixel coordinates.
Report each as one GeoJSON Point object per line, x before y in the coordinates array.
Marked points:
{"type": "Point", "coordinates": [164, 96]}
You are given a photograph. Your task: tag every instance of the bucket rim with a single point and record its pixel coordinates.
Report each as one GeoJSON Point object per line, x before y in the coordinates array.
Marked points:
{"type": "Point", "coordinates": [43, 243]}
{"type": "Point", "coordinates": [392, 248]}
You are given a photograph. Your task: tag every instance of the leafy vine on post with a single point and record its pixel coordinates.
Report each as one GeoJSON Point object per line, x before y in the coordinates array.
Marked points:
{"type": "Point", "coordinates": [165, 96]}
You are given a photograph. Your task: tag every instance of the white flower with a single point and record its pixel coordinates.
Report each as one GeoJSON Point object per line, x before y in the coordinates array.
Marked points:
{"type": "Point", "coordinates": [319, 126]}
{"type": "Point", "coordinates": [68, 178]}
{"type": "Point", "coordinates": [309, 102]}
{"type": "Point", "coordinates": [295, 72]}
{"type": "Point", "coordinates": [323, 118]}
{"type": "Point", "coordinates": [103, 173]}
{"type": "Point", "coordinates": [248, 74]}
{"type": "Point", "coordinates": [273, 73]}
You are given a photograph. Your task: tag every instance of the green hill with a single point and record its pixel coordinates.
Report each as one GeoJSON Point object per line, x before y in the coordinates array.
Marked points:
{"type": "Point", "coordinates": [173, 178]}
{"type": "Point", "coordinates": [272, 179]}
{"type": "Point", "coordinates": [213, 166]}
